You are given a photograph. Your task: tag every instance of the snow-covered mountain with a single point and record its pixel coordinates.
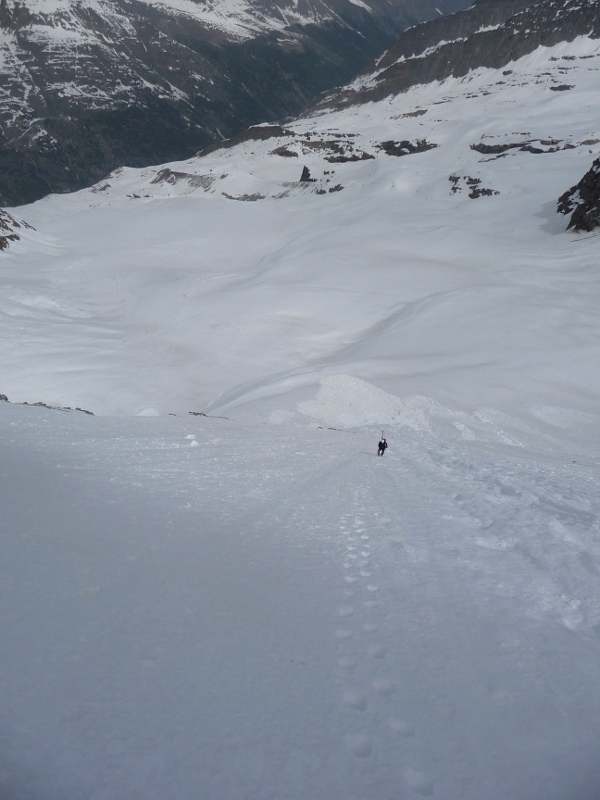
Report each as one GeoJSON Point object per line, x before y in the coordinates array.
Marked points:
{"type": "Point", "coordinates": [384, 240]}
{"type": "Point", "coordinates": [484, 35]}
{"type": "Point", "coordinates": [90, 85]}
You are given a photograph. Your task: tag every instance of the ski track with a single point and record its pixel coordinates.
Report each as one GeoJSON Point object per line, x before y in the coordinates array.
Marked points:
{"type": "Point", "coordinates": [473, 540]}
{"type": "Point", "coordinates": [266, 612]}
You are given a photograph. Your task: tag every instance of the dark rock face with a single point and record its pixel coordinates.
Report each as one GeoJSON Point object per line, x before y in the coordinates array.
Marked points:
{"type": "Point", "coordinates": [9, 228]}
{"type": "Point", "coordinates": [582, 201]}
{"type": "Point", "coordinates": [405, 148]}
{"type": "Point", "coordinates": [490, 34]}
{"type": "Point", "coordinates": [537, 146]}
{"type": "Point", "coordinates": [86, 89]}
{"type": "Point", "coordinates": [472, 185]}
{"type": "Point", "coordinates": [305, 177]}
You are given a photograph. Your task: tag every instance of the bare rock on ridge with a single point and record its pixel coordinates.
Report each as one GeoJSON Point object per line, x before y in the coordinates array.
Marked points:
{"type": "Point", "coordinates": [582, 201]}
{"type": "Point", "coordinates": [8, 229]}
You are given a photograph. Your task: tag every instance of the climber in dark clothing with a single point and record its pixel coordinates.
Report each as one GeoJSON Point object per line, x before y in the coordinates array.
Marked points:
{"type": "Point", "coordinates": [382, 447]}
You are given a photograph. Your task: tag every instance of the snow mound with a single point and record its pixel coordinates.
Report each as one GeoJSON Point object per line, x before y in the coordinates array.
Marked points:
{"type": "Point", "coordinates": [347, 402]}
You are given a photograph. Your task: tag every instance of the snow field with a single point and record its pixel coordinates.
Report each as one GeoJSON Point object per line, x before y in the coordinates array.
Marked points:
{"type": "Point", "coordinates": [273, 610]}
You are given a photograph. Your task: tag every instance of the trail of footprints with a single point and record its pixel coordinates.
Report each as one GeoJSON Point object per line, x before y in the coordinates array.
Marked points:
{"type": "Point", "coordinates": [358, 645]}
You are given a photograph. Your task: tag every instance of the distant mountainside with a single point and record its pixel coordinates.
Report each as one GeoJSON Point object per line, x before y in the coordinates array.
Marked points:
{"type": "Point", "coordinates": [90, 85]}
{"type": "Point", "coordinates": [491, 34]}
{"type": "Point", "coordinates": [412, 242]}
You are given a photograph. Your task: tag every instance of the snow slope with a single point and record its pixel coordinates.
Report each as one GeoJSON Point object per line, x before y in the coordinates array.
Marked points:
{"type": "Point", "coordinates": [252, 604]}
{"type": "Point", "coordinates": [200, 608]}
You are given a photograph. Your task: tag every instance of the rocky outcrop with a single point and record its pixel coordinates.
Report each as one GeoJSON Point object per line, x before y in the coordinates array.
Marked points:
{"type": "Point", "coordinates": [405, 148]}
{"type": "Point", "coordinates": [9, 229]}
{"type": "Point", "coordinates": [39, 404]}
{"type": "Point", "coordinates": [582, 201]}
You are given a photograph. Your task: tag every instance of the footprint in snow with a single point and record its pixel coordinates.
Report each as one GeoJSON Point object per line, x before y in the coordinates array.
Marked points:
{"type": "Point", "coordinates": [419, 782]}
{"type": "Point", "coordinates": [355, 699]}
{"type": "Point", "coordinates": [401, 727]}
{"type": "Point", "coordinates": [359, 744]}
{"type": "Point", "coordinates": [496, 544]}
{"type": "Point", "coordinates": [377, 651]}
{"type": "Point", "coordinates": [384, 687]}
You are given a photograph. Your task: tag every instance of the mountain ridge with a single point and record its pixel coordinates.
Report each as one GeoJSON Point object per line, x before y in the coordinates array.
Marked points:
{"type": "Point", "coordinates": [357, 240]}
{"type": "Point", "coordinates": [88, 86]}
{"type": "Point", "coordinates": [490, 34]}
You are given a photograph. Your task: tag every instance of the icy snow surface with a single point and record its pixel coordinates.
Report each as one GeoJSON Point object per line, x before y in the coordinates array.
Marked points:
{"type": "Point", "coordinates": [252, 604]}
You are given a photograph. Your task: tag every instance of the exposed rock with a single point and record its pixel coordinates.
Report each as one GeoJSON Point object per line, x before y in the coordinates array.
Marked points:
{"type": "Point", "coordinates": [284, 152]}
{"type": "Point", "coordinates": [39, 404]}
{"type": "Point", "coordinates": [494, 149]}
{"type": "Point", "coordinates": [251, 198]}
{"type": "Point", "coordinates": [472, 185]}
{"type": "Point", "coordinates": [340, 151]}
{"type": "Point", "coordinates": [418, 113]}
{"type": "Point", "coordinates": [354, 156]}
{"type": "Point", "coordinates": [305, 177]}
{"type": "Point", "coordinates": [582, 201]}
{"type": "Point", "coordinates": [8, 227]}
{"type": "Point", "coordinates": [536, 146]}
{"type": "Point", "coordinates": [173, 177]}
{"type": "Point", "coordinates": [405, 148]}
